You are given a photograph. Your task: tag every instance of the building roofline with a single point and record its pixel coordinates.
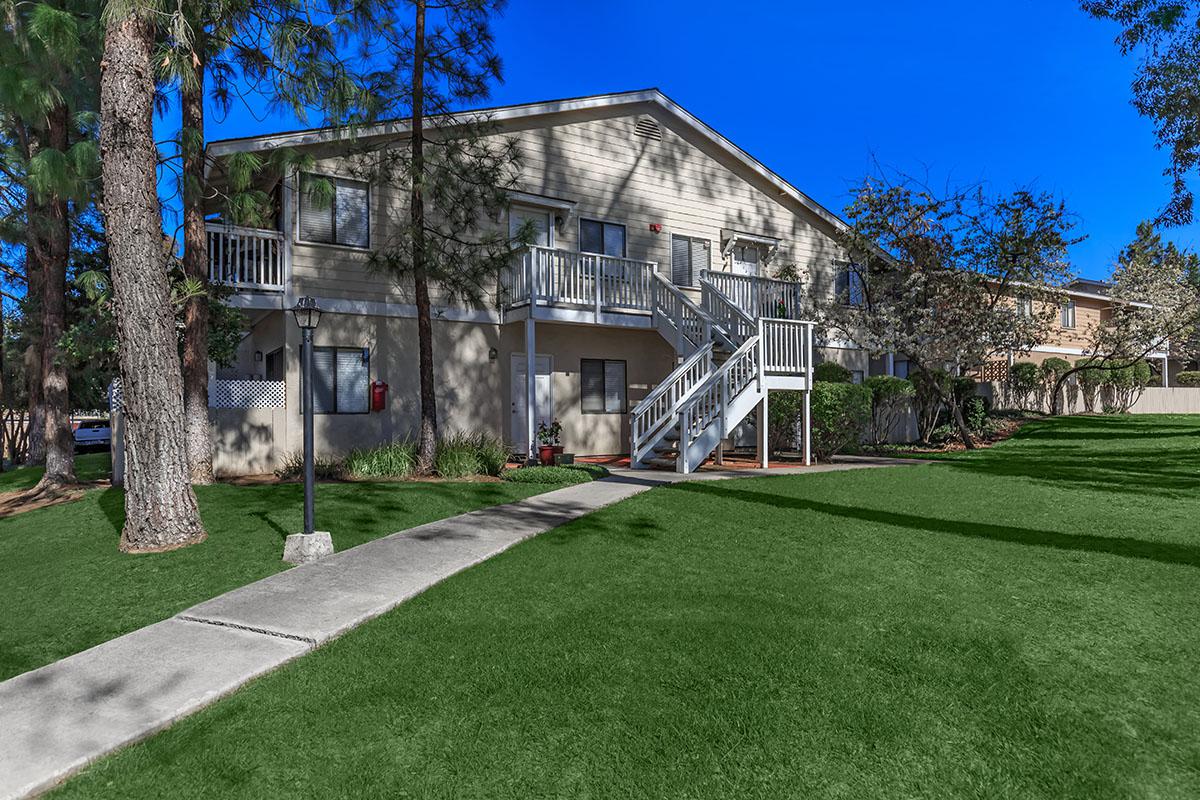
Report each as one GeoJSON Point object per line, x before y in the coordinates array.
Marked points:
{"type": "Point", "coordinates": [653, 96]}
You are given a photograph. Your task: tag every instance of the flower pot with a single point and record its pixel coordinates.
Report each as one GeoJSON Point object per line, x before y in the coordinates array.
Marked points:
{"type": "Point", "coordinates": [546, 454]}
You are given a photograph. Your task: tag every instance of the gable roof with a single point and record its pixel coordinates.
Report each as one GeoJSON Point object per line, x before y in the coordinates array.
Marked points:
{"type": "Point", "coordinates": [653, 97]}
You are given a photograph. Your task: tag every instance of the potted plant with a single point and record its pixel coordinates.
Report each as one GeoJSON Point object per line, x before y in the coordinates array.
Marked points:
{"type": "Point", "coordinates": [548, 437]}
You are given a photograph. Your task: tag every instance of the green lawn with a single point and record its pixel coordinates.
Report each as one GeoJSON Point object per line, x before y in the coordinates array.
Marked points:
{"type": "Point", "coordinates": [66, 587]}
{"type": "Point", "coordinates": [1022, 622]}
{"type": "Point", "coordinates": [88, 467]}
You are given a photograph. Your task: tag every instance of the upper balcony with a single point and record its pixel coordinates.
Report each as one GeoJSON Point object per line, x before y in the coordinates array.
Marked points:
{"type": "Point", "coordinates": [245, 258]}
{"type": "Point", "coordinates": [543, 276]}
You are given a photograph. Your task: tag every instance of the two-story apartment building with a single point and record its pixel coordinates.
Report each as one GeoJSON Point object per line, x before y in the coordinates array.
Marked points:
{"type": "Point", "coordinates": [1087, 305]}
{"type": "Point", "coordinates": [645, 318]}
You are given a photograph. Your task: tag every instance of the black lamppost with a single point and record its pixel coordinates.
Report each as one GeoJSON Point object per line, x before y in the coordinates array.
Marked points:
{"type": "Point", "coordinates": [309, 545]}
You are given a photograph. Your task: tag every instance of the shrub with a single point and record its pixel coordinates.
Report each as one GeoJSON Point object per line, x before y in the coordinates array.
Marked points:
{"type": "Point", "coordinates": [457, 456]}
{"type": "Point", "coordinates": [1023, 380]}
{"type": "Point", "coordinates": [1126, 384]}
{"type": "Point", "coordinates": [975, 414]}
{"type": "Point", "coordinates": [1051, 370]}
{"type": "Point", "coordinates": [567, 473]}
{"type": "Point", "coordinates": [325, 468]}
{"type": "Point", "coordinates": [1188, 378]}
{"type": "Point", "coordinates": [831, 372]}
{"type": "Point", "coordinates": [929, 402]}
{"type": "Point", "coordinates": [396, 459]}
{"type": "Point", "coordinates": [889, 400]}
{"type": "Point", "coordinates": [840, 412]}
{"type": "Point", "coordinates": [1089, 381]}
{"type": "Point", "coordinates": [783, 419]}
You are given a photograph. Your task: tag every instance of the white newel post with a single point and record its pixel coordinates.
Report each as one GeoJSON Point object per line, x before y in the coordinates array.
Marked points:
{"type": "Point", "coordinates": [763, 445]}
{"type": "Point", "coordinates": [1166, 373]}
{"type": "Point", "coordinates": [530, 385]}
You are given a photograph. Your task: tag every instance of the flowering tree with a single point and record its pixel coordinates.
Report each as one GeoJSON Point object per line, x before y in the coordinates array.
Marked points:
{"type": "Point", "coordinates": [936, 277]}
{"type": "Point", "coordinates": [1155, 304]}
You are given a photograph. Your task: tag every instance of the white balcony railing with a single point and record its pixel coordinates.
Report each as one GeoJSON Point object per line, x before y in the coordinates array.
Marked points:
{"type": "Point", "coordinates": [758, 297]}
{"type": "Point", "coordinates": [245, 258]}
{"type": "Point", "coordinates": [545, 276]}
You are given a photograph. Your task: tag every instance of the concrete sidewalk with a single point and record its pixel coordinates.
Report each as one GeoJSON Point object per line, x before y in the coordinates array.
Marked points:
{"type": "Point", "coordinates": [57, 719]}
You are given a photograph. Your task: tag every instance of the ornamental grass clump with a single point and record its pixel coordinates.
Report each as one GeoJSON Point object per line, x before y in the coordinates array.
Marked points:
{"type": "Point", "coordinates": [396, 459]}
{"type": "Point", "coordinates": [325, 468]}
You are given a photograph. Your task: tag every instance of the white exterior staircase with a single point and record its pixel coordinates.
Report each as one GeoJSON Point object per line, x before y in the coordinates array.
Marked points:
{"type": "Point", "coordinates": [731, 356]}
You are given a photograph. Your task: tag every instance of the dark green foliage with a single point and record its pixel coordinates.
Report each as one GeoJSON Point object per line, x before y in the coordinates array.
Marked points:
{"type": "Point", "coordinates": [1188, 379]}
{"type": "Point", "coordinates": [831, 372]}
{"type": "Point", "coordinates": [890, 400]}
{"type": "Point", "coordinates": [783, 419]}
{"type": "Point", "coordinates": [1023, 380]}
{"type": "Point", "coordinates": [1089, 380]}
{"type": "Point", "coordinates": [975, 413]}
{"type": "Point", "coordinates": [565, 474]}
{"type": "Point", "coordinates": [929, 402]}
{"type": "Point", "coordinates": [840, 415]}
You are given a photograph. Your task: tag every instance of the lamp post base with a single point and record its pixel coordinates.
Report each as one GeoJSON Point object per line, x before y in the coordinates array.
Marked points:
{"type": "Point", "coordinates": [301, 548]}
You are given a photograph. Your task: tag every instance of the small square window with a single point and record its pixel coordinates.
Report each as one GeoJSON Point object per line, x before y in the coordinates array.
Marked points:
{"type": "Point", "coordinates": [604, 389]}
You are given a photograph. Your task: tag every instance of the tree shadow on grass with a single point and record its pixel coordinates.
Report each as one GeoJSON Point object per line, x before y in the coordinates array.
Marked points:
{"type": "Point", "coordinates": [112, 504]}
{"type": "Point", "coordinates": [1125, 547]}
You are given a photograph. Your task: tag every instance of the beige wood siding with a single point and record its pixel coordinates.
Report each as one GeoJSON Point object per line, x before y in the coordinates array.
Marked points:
{"type": "Point", "coordinates": [683, 183]}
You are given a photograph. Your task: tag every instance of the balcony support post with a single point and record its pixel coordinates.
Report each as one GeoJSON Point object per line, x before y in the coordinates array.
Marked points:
{"type": "Point", "coordinates": [530, 387]}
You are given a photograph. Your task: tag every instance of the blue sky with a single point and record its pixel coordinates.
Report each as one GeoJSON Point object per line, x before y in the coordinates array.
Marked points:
{"type": "Point", "coordinates": [1013, 93]}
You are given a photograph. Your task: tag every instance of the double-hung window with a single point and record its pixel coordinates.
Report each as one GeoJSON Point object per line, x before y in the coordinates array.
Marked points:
{"type": "Point", "coordinates": [1025, 306]}
{"type": "Point", "coordinates": [1068, 314]}
{"type": "Point", "coordinates": [340, 380]}
{"type": "Point", "coordinates": [604, 389]}
{"type": "Point", "coordinates": [341, 216]}
{"type": "Point", "coordinates": [850, 289]}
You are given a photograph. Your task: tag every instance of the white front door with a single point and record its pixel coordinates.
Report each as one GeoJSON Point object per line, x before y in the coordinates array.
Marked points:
{"type": "Point", "coordinates": [543, 406]}
{"type": "Point", "coordinates": [543, 228]}
{"type": "Point", "coordinates": [745, 260]}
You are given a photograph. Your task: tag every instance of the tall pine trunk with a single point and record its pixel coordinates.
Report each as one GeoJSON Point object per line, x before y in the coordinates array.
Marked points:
{"type": "Point", "coordinates": [35, 268]}
{"type": "Point", "coordinates": [195, 266]}
{"type": "Point", "coordinates": [160, 507]}
{"type": "Point", "coordinates": [427, 438]}
{"type": "Point", "coordinates": [60, 445]}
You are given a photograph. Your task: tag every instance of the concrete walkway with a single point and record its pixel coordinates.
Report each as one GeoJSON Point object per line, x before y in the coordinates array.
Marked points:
{"type": "Point", "coordinates": [57, 719]}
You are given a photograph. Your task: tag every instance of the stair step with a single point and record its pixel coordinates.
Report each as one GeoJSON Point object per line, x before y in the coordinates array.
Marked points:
{"type": "Point", "coordinates": [664, 463]}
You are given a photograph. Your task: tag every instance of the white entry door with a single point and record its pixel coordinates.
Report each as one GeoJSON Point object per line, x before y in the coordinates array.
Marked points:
{"type": "Point", "coordinates": [544, 408]}
{"type": "Point", "coordinates": [745, 260]}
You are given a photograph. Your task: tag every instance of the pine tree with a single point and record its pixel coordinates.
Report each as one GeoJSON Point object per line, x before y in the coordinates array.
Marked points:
{"type": "Point", "coordinates": [456, 171]}
{"type": "Point", "coordinates": [48, 92]}
{"type": "Point", "coordinates": [160, 508]}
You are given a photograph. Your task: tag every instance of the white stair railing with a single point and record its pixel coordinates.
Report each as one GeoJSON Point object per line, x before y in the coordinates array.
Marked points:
{"type": "Point", "coordinates": [758, 297]}
{"type": "Point", "coordinates": [677, 318]}
{"type": "Point", "coordinates": [736, 322]}
{"type": "Point", "coordinates": [786, 345]}
{"type": "Point", "coordinates": [656, 413]}
{"type": "Point", "coordinates": [703, 416]}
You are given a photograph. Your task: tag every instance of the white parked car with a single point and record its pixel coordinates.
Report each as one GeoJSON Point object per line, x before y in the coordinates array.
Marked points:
{"type": "Point", "coordinates": [93, 433]}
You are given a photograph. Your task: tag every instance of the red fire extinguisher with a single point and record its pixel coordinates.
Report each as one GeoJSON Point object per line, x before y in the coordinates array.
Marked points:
{"type": "Point", "coordinates": [378, 395]}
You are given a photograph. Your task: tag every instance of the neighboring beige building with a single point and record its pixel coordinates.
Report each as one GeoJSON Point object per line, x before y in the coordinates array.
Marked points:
{"type": "Point", "coordinates": [1087, 305]}
{"type": "Point", "coordinates": [650, 284]}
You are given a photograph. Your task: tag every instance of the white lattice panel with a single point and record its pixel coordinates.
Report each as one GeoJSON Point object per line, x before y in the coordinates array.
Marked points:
{"type": "Point", "coordinates": [246, 394]}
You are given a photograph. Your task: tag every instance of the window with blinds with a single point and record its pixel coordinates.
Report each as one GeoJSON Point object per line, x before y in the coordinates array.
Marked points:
{"type": "Point", "coordinates": [341, 378]}
{"type": "Point", "coordinates": [604, 390]}
{"type": "Point", "coordinates": [341, 218]}
{"type": "Point", "coordinates": [688, 257]}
